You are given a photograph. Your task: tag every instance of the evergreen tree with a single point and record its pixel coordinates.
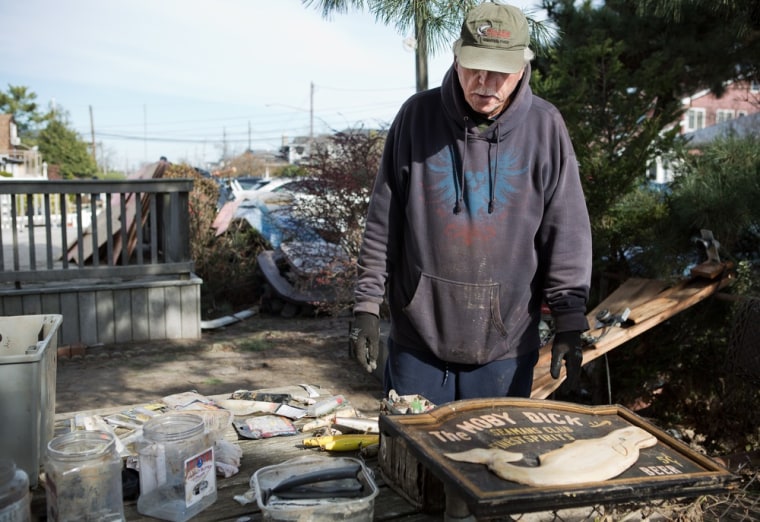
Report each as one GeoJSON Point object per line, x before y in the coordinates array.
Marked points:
{"type": "Point", "coordinates": [718, 189]}
{"type": "Point", "coordinates": [615, 116]}
{"type": "Point", "coordinates": [618, 74]}
{"type": "Point", "coordinates": [722, 38]}
{"type": "Point", "coordinates": [62, 146]}
{"type": "Point", "coordinates": [22, 104]}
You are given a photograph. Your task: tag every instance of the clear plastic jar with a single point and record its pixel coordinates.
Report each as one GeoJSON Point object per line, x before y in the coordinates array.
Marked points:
{"type": "Point", "coordinates": [14, 493]}
{"type": "Point", "coordinates": [177, 467]}
{"type": "Point", "coordinates": [83, 478]}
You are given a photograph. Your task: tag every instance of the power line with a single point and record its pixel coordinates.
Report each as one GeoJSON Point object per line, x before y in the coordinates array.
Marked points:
{"type": "Point", "coordinates": [158, 139]}
{"type": "Point", "coordinates": [176, 135]}
{"type": "Point", "coordinates": [342, 89]}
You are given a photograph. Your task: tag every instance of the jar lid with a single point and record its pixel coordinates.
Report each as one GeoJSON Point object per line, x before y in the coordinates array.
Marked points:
{"type": "Point", "coordinates": [173, 426]}
{"type": "Point", "coordinates": [81, 445]}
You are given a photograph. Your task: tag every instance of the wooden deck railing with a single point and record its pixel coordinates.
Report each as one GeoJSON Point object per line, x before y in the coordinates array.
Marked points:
{"type": "Point", "coordinates": [58, 231]}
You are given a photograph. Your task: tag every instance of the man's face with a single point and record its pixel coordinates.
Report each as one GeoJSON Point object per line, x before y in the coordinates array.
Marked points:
{"type": "Point", "coordinates": [487, 92]}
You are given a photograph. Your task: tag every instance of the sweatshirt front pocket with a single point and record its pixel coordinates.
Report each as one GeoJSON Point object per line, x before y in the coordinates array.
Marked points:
{"type": "Point", "coordinates": [459, 322]}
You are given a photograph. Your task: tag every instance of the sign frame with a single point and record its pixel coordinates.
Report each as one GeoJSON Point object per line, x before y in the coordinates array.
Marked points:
{"type": "Point", "coordinates": [668, 469]}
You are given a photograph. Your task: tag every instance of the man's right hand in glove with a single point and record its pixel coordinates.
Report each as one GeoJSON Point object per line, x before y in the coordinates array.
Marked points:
{"type": "Point", "coordinates": [364, 339]}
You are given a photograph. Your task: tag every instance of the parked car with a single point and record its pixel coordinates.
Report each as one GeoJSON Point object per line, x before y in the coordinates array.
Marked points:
{"type": "Point", "coordinates": [251, 182]}
{"type": "Point", "coordinates": [276, 191]}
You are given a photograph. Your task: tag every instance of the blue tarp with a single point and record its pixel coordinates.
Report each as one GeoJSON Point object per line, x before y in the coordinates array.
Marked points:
{"type": "Point", "coordinates": [275, 224]}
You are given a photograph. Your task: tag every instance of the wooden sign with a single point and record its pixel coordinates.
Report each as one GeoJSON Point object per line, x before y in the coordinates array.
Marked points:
{"type": "Point", "coordinates": [504, 455]}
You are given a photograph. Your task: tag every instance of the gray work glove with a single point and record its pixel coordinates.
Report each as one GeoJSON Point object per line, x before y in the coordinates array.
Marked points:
{"type": "Point", "coordinates": [364, 339]}
{"type": "Point", "coordinates": [567, 347]}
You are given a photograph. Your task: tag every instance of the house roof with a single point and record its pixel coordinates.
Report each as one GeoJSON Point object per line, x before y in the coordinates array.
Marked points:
{"type": "Point", "coordinates": [743, 126]}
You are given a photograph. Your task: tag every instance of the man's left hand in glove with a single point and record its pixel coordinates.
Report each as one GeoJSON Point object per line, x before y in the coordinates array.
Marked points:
{"type": "Point", "coordinates": [567, 347]}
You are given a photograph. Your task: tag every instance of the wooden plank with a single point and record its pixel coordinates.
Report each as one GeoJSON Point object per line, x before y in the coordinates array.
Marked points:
{"type": "Point", "coordinates": [650, 303]}
{"type": "Point", "coordinates": [101, 226]}
{"type": "Point", "coordinates": [633, 293]}
{"type": "Point", "coordinates": [88, 321]}
{"type": "Point", "coordinates": [105, 316]}
{"type": "Point", "coordinates": [708, 269]}
{"type": "Point", "coordinates": [70, 330]}
{"type": "Point", "coordinates": [50, 304]}
{"type": "Point", "coordinates": [122, 317]}
{"type": "Point", "coordinates": [13, 305]}
{"type": "Point", "coordinates": [190, 314]}
{"type": "Point", "coordinates": [156, 313]}
{"type": "Point", "coordinates": [132, 226]}
{"type": "Point", "coordinates": [32, 304]}
{"type": "Point", "coordinates": [107, 312]}
{"type": "Point", "coordinates": [140, 317]}
{"type": "Point", "coordinates": [173, 313]}
{"type": "Point", "coordinates": [413, 482]}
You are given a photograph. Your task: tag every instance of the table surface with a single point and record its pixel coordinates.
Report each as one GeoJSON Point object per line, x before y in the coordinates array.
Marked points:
{"type": "Point", "coordinates": [388, 504]}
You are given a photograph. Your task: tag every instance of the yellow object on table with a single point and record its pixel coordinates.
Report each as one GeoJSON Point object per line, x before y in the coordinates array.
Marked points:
{"type": "Point", "coordinates": [349, 442]}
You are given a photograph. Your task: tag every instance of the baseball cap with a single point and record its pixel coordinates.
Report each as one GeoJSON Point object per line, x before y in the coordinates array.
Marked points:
{"type": "Point", "coordinates": [494, 37]}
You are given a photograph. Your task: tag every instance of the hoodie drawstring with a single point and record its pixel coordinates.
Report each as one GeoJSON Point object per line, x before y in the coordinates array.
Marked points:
{"type": "Point", "coordinates": [459, 179]}
{"type": "Point", "coordinates": [492, 174]}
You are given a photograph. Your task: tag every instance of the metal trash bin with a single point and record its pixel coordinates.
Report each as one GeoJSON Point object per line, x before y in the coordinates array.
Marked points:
{"type": "Point", "coordinates": [28, 358]}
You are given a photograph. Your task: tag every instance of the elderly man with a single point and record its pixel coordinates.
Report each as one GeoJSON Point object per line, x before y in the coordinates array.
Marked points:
{"type": "Point", "coordinates": [477, 216]}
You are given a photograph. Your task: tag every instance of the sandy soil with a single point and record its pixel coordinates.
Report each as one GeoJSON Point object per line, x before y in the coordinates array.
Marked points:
{"type": "Point", "coordinates": [258, 352]}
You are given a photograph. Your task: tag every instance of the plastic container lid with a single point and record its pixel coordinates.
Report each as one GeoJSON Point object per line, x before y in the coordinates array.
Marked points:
{"type": "Point", "coordinates": [326, 508]}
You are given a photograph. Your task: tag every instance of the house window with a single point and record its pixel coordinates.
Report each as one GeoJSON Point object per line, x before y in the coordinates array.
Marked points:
{"type": "Point", "coordinates": [695, 119]}
{"type": "Point", "coordinates": [754, 86]}
{"type": "Point", "coordinates": [739, 114]}
{"type": "Point", "coordinates": [723, 115]}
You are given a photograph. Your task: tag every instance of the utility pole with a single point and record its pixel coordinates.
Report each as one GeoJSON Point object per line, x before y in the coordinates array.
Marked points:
{"type": "Point", "coordinates": [92, 132]}
{"type": "Point", "coordinates": [145, 132]}
{"type": "Point", "coordinates": [311, 118]}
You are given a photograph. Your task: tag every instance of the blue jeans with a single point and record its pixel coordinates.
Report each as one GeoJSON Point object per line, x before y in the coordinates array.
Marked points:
{"type": "Point", "coordinates": [411, 372]}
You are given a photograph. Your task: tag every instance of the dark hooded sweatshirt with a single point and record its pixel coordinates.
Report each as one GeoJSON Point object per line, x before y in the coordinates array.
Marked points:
{"type": "Point", "coordinates": [471, 226]}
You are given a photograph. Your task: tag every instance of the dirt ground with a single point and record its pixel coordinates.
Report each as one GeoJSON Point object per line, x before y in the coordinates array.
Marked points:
{"type": "Point", "coordinates": [258, 352]}
{"type": "Point", "coordinates": [266, 351]}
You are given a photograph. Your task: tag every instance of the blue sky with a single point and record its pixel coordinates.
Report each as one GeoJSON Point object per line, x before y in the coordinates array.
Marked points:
{"type": "Point", "coordinates": [189, 79]}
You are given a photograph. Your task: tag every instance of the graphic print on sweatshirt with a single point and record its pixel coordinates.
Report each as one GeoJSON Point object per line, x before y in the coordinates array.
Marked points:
{"type": "Point", "coordinates": [473, 224]}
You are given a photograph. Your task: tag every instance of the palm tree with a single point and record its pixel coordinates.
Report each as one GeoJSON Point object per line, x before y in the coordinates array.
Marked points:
{"type": "Point", "coordinates": [435, 22]}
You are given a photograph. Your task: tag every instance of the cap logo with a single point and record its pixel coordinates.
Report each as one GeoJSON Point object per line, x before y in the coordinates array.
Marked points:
{"type": "Point", "coordinates": [487, 31]}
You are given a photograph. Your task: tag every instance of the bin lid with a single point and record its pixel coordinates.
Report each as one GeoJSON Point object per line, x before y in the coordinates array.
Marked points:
{"type": "Point", "coordinates": [24, 338]}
